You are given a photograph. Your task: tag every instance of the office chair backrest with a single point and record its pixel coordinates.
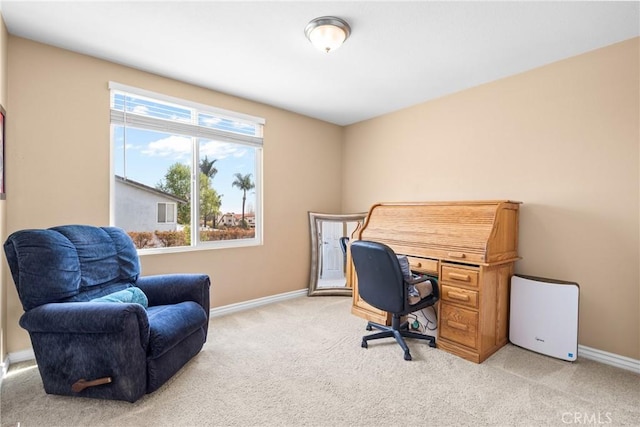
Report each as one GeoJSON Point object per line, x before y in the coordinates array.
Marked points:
{"type": "Point", "coordinates": [344, 241]}
{"type": "Point", "coordinates": [380, 279]}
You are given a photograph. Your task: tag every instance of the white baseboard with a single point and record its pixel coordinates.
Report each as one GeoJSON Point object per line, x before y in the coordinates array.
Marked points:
{"type": "Point", "coordinates": [20, 356]}
{"type": "Point", "coordinates": [15, 357]}
{"type": "Point", "coordinates": [246, 305]}
{"type": "Point", "coordinates": [4, 367]}
{"type": "Point", "coordinates": [607, 358]}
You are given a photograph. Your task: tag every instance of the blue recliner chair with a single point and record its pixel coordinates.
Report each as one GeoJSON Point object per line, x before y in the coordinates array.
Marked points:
{"type": "Point", "coordinates": [98, 329]}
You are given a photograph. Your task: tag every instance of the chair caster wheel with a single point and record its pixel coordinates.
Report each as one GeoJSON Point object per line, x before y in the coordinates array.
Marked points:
{"type": "Point", "coordinates": [364, 344]}
{"type": "Point", "coordinates": [407, 355]}
{"type": "Point", "coordinates": [369, 327]}
{"type": "Point", "coordinates": [432, 344]}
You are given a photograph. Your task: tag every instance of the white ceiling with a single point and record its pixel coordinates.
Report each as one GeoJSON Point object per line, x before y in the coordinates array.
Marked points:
{"type": "Point", "coordinates": [399, 53]}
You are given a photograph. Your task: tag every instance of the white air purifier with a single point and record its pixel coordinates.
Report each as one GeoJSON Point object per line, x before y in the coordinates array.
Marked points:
{"type": "Point", "coordinates": [544, 316]}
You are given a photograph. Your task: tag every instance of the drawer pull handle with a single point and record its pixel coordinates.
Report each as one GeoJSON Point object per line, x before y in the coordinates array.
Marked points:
{"type": "Point", "coordinates": [417, 264]}
{"type": "Point", "coordinates": [459, 297]}
{"type": "Point", "coordinates": [456, 255]}
{"type": "Point", "coordinates": [456, 325]}
{"type": "Point", "coordinates": [457, 276]}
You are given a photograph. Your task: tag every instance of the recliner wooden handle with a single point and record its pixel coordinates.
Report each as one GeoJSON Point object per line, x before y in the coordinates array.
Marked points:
{"type": "Point", "coordinates": [81, 384]}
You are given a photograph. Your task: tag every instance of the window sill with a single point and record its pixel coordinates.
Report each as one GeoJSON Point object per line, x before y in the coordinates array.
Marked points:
{"type": "Point", "coordinates": [205, 246]}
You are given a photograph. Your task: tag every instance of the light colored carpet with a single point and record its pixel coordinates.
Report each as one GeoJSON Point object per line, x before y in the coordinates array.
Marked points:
{"type": "Point", "coordinates": [299, 363]}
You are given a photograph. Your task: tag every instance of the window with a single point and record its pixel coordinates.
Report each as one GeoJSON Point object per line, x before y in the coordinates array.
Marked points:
{"type": "Point", "coordinates": [184, 174]}
{"type": "Point", "coordinates": [166, 212]}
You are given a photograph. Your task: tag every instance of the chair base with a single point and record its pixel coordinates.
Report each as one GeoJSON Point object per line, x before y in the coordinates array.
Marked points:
{"type": "Point", "coordinates": [399, 331]}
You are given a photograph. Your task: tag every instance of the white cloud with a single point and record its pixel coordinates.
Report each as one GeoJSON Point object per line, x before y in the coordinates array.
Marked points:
{"type": "Point", "coordinates": [240, 153]}
{"type": "Point", "coordinates": [140, 109]}
{"type": "Point", "coordinates": [179, 147]}
{"type": "Point", "coordinates": [241, 125]}
{"type": "Point", "coordinates": [211, 121]}
{"type": "Point", "coordinates": [171, 146]}
{"type": "Point", "coordinates": [177, 118]}
{"type": "Point", "coordinates": [220, 150]}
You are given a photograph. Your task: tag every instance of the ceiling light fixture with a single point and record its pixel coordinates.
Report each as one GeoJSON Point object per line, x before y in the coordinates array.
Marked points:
{"type": "Point", "coordinates": [327, 33]}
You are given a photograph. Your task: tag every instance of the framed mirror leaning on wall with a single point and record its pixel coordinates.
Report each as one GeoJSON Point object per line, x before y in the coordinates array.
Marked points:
{"type": "Point", "coordinates": [329, 239]}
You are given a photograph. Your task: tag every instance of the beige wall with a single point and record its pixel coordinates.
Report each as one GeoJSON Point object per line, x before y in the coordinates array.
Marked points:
{"type": "Point", "coordinates": [564, 140]}
{"type": "Point", "coordinates": [58, 171]}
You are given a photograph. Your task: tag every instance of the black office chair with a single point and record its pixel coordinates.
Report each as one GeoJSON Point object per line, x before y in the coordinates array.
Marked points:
{"type": "Point", "coordinates": [344, 242]}
{"type": "Point", "coordinates": [382, 284]}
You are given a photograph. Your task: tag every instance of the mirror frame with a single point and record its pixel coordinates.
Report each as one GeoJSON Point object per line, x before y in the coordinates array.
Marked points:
{"type": "Point", "coordinates": [314, 221]}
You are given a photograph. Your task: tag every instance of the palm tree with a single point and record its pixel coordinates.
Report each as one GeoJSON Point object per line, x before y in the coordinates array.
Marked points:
{"type": "Point", "coordinates": [207, 168]}
{"type": "Point", "coordinates": [244, 183]}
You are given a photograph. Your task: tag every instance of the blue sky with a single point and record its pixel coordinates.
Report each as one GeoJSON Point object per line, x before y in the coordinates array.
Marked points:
{"type": "Point", "coordinates": [149, 155]}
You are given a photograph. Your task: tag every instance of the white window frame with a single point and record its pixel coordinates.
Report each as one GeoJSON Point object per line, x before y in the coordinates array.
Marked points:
{"type": "Point", "coordinates": [119, 118]}
{"type": "Point", "coordinates": [168, 206]}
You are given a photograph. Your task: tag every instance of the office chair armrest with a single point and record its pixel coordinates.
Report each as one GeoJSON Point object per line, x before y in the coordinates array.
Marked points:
{"type": "Point", "coordinates": [416, 281]}
{"type": "Point", "coordinates": [412, 302]}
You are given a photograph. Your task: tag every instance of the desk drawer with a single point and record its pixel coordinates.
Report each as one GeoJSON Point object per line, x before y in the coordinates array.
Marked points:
{"type": "Point", "coordinates": [460, 296]}
{"type": "Point", "coordinates": [459, 325]}
{"type": "Point", "coordinates": [423, 265]}
{"type": "Point", "coordinates": [459, 275]}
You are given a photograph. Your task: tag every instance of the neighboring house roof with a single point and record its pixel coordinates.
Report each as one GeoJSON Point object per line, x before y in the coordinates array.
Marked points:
{"type": "Point", "coordinates": [144, 187]}
{"type": "Point", "coordinates": [239, 216]}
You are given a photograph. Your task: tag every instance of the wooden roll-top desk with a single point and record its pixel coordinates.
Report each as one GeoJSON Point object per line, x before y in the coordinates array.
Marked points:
{"type": "Point", "coordinates": [471, 247]}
